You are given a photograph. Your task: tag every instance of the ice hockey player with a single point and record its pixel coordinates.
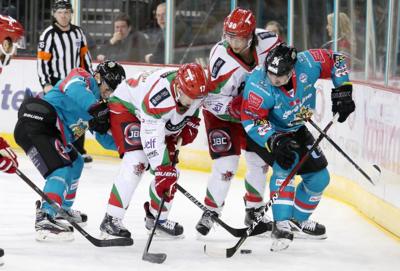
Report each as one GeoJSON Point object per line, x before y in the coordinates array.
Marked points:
{"type": "Point", "coordinates": [243, 48]}
{"type": "Point", "coordinates": [46, 128]}
{"type": "Point", "coordinates": [274, 95]}
{"type": "Point", "coordinates": [148, 114]}
{"type": "Point", "coordinates": [8, 164]}
{"type": "Point", "coordinates": [11, 36]}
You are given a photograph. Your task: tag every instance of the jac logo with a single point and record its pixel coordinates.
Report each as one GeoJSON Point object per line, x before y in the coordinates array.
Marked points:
{"type": "Point", "coordinates": [219, 141]}
{"type": "Point", "coordinates": [132, 134]}
{"type": "Point", "coordinates": [255, 101]}
{"type": "Point", "coordinates": [150, 144]}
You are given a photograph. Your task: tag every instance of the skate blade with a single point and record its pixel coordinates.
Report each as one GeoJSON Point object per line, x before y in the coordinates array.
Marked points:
{"type": "Point", "coordinates": [161, 235]}
{"type": "Point", "coordinates": [47, 236]}
{"type": "Point", "coordinates": [305, 236]}
{"type": "Point", "coordinates": [280, 244]}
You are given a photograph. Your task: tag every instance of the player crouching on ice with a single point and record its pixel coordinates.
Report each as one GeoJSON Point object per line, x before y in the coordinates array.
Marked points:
{"type": "Point", "coordinates": [273, 97]}
{"type": "Point", "coordinates": [148, 114]}
{"type": "Point", "coordinates": [46, 128]}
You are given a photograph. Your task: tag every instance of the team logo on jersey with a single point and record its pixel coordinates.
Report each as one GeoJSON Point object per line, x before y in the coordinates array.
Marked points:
{"type": "Point", "coordinates": [132, 134]}
{"type": "Point", "coordinates": [159, 97]}
{"type": "Point", "coordinates": [255, 101]}
{"type": "Point", "coordinates": [150, 143]}
{"type": "Point", "coordinates": [59, 146]}
{"type": "Point", "coordinates": [264, 127]}
{"type": "Point", "coordinates": [219, 141]}
{"type": "Point", "coordinates": [217, 66]}
{"type": "Point", "coordinates": [339, 60]}
{"type": "Point", "coordinates": [303, 77]}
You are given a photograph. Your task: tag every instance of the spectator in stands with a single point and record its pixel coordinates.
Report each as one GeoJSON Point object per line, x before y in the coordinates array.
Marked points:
{"type": "Point", "coordinates": [346, 44]}
{"type": "Point", "coordinates": [157, 56]}
{"type": "Point", "coordinates": [126, 44]}
{"type": "Point", "coordinates": [274, 26]}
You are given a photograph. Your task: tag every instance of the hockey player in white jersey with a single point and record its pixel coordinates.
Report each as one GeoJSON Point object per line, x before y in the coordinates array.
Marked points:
{"type": "Point", "coordinates": [148, 114]}
{"type": "Point", "coordinates": [242, 48]}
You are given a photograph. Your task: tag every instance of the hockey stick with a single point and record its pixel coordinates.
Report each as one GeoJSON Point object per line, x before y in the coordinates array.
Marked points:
{"type": "Point", "coordinates": [59, 210]}
{"type": "Point", "coordinates": [159, 257]}
{"type": "Point", "coordinates": [234, 231]}
{"type": "Point", "coordinates": [377, 170]}
{"type": "Point", "coordinates": [229, 252]}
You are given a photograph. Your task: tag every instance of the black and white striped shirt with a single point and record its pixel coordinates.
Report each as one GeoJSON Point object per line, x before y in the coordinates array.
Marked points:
{"type": "Point", "coordinates": [61, 51]}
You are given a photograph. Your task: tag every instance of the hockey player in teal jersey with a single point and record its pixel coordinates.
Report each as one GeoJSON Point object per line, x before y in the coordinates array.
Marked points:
{"type": "Point", "coordinates": [46, 128]}
{"type": "Point", "coordinates": [273, 97]}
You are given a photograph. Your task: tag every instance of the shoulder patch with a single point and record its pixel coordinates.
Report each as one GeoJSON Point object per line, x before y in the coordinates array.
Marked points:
{"type": "Point", "coordinates": [317, 55]}
{"type": "Point", "coordinates": [266, 35]}
{"type": "Point", "coordinates": [159, 97]}
{"type": "Point", "coordinates": [217, 66]}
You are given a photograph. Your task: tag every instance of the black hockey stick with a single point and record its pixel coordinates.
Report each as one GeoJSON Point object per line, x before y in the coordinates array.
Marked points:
{"type": "Point", "coordinates": [97, 242]}
{"type": "Point", "coordinates": [229, 252]}
{"type": "Point", "coordinates": [159, 257]}
{"type": "Point", "coordinates": [234, 231]}
{"type": "Point", "coordinates": [376, 168]}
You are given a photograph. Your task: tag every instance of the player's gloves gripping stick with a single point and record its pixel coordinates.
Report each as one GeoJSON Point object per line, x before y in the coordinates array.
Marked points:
{"type": "Point", "coordinates": [190, 130]}
{"type": "Point", "coordinates": [8, 158]}
{"type": "Point", "coordinates": [101, 117]}
{"type": "Point", "coordinates": [234, 107]}
{"type": "Point", "coordinates": [342, 101]}
{"type": "Point", "coordinates": [166, 177]}
{"type": "Point", "coordinates": [282, 147]}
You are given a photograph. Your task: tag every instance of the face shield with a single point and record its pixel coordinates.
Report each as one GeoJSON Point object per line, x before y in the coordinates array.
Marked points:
{"type": "Point", "coordinates": [279, 80]}
{"type": "Point", "coordinates": [238, 44]}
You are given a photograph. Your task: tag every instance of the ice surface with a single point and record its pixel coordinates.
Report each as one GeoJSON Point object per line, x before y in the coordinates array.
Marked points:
{"type": "Point", "coordinates": [353, 242]}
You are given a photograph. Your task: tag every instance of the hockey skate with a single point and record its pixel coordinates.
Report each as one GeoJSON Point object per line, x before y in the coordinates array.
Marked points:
{"type": "Point", "coordinates": [113, 227]}
{"type": "Point", "coordinates": [48, 229]}
{"type": "Point", "coordinates": [264, 225]}
{"type": "Point", "coordinates": [164, 228]}
{"type": "Point", "coordinates": [76, 216]}
{"type": "Point", "coordinates": [205, 223]}
{"type": "Point", "coordinates": [282, 235]}
{"type": "Point", "coordinates": [308, 229]}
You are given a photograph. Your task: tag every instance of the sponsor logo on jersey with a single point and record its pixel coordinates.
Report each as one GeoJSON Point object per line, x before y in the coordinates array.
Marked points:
{"type": "Point", "coordinates": [219, 141]}
{"type": "Point", "coordinates": [317, 55]}
{"type": "Point", "coordinates": [150, 143]}
{"type": "Point", "coordinates": [255, 101]}
{"type": "Point", "coordinates": [152, 154]}
{"type": "Point", "coordinates": [303, 77]}
{"type": "Point", "coordinates": [132, 134]}
{"type": "Point", "coordinates": [266, 35]}
{"type": "Point", "coordinates": [217, 66]}
{"type": "Point", "coordinates": [159, 97]}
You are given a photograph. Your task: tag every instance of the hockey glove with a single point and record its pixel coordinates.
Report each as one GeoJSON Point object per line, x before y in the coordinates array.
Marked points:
{"type": "Point", "coordinates": [282, 147]}
{"type": "Point", "coordinates": [342, 101]}
{"type": "Point", "coordinates": [101, 117]}
{"type": "Point", "coordinates": [190, 130]}
{"type": "Point", "coordinates": [234, 107]}
{"type": "Point", "coordinates": [8, 158]}
{"type": "Point", "coordinates": [166, 177]}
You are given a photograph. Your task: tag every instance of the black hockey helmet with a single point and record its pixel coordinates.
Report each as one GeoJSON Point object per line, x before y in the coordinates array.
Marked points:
{"type": "Point", "coordinates": [111, 72]}
{"type": "Point", "coordinates": [281, 59]}
{"type": "Point", "coordinates": [62, 4]}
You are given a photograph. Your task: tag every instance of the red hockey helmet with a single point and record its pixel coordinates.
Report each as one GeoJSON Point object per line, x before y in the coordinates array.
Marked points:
{"type": "Point", "coordinates": [192, 80]}
{"type": "Point", "coordinates": [10, 28]}
{"type": "Point", "coordinates": [240, 23]}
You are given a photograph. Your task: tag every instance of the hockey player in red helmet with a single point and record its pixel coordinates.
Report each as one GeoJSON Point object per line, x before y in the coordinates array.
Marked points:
{"type": "Point", "coordinates": [11, 37]}
{"type": "Point", "coordinates": [148, 114]}
{"type": "Point", "coordinates": [243, 48]}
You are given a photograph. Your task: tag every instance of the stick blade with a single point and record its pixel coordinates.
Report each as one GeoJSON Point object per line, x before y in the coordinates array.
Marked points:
{"type": "Point", "coordinates": [154, 257]}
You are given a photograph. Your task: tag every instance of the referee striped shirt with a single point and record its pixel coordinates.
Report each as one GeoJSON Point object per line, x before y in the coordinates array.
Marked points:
{"type": "Point", "coordinates": [61, 51]}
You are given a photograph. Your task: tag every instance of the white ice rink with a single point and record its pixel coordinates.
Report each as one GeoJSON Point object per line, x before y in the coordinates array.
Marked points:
{"type": "Point", "coordinates": [353, 242]}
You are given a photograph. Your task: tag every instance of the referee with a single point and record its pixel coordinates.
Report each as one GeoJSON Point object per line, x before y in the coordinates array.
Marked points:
{"type": "Point", "coordinates": [62, 47]}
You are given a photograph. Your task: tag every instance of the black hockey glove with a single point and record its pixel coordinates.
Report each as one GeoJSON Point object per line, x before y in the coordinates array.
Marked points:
{"type": "Point", "coordinates": [101, 117]}
{"type": "Point", "coordinates": [342, 101]}
{"type": "Point", "coordinates": [282, 147]}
